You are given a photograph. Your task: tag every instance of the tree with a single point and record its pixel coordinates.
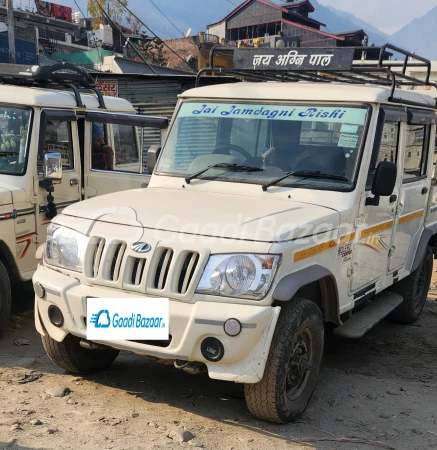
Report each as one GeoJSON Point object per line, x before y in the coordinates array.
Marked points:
{"type": "Point", "coordinates": [113, 9]}
{"type": "Point", "coordinates": [153, 51]}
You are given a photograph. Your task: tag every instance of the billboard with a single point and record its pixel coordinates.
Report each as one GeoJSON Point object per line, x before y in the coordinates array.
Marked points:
{"type": "Point", "coordinates": [25, 51]}
{"type": "Point", "coordinates": [48, 9]}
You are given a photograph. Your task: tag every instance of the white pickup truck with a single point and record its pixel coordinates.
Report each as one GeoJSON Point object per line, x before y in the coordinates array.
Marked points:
{"type": "Point", "coordinates": [43, 112]}
{"type": "Point", "coordinates": [274, 208]}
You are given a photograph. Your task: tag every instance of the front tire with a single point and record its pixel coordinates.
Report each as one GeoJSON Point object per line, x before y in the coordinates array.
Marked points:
{"type": "Point", "coordinates": [293, 364]}
{"type": "Point", "coordinates": [70, 356]}
{"type": "Point", "coordinates": [5, 298]}
{"type": "Point", "coordinates": [414, 289]}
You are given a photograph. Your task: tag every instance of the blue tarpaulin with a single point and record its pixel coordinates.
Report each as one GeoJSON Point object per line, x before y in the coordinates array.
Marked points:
{"type": "Point", "coordinates": [25, 51]}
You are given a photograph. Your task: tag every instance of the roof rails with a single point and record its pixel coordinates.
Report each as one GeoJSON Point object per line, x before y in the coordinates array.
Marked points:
{"type": "Point", "coordinates": [56, 76]}
{"type": "Point", "coordinates": [325, 65]}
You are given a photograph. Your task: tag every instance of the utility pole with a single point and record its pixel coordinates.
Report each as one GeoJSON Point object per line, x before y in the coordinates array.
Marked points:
{"type": "Point", "coordinates": [11, 31]}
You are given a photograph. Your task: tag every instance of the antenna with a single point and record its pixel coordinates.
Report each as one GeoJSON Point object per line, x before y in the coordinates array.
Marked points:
{"type": "Point", "coordinates": [187, 34]}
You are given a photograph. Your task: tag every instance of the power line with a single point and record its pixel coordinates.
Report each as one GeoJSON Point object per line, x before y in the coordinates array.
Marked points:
{"type": "Point", "coordinates": [84, 16]}
{"type": "Point", "coordinates": [154, 34]}
{"type": "Point", "coordinates": [156, 6]}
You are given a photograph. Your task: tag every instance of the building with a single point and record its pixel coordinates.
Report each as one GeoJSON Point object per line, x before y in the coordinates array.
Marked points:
{"type": "Point", "coordinates": [256, 21]}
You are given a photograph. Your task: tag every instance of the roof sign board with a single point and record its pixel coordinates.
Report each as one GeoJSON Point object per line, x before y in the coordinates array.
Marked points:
{"type": "Point", "coordinates": [325, 59]}
{"type": "Point", "coordinates": [108, 87]}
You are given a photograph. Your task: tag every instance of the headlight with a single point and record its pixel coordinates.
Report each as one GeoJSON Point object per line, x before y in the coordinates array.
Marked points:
{"type": "Point", "coordinates": [242, 275]}
{"type": "Point", "coordinates": [65, 248]}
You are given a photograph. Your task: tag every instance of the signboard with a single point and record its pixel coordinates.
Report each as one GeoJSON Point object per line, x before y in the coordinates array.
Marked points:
{"type": "Point", "coordinates": [108, 87]}
{"type": "Point", "coordinates": [25, 51]}
{"type": "Point", "coordinates": [314, 59]}
{"type": "Point", "coordinates": [49, 9]}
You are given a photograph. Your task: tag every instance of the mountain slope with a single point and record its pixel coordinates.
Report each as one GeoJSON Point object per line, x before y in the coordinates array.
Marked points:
{"type": "Point", "coordinates": [420, 35]}
{"type": "Point", "coordinates": [338, 21]}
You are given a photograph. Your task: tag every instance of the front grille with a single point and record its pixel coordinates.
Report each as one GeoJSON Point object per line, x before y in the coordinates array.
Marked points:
{"type": "Point", "coordinates": [162, 269]}
{"type": "Point", "coordinates": [187, 271]}
{"type": "Point", "coordinates": [109, 263]}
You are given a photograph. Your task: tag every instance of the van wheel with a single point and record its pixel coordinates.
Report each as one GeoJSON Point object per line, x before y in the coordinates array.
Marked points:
{"type": "Point", "coordinates": [293, 364]}
{"type": "Point", "coordinates": [70, 356]}
{"type": "Point", "coordinates": [5, 298]}
{"type": "Point", "coordinates": [414, 289]}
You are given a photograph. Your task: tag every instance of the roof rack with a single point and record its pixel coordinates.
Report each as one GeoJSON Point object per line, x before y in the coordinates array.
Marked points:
{"type": "Point", "coordinates": [56, 76]}
{"type": "Point", "coordinates": [325, 65]}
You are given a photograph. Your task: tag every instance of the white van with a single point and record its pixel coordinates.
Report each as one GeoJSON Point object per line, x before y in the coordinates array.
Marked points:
{"type": "Point", "coordinates": [274, 208]}
{"type": "Point", "coordinates": [44, 118]}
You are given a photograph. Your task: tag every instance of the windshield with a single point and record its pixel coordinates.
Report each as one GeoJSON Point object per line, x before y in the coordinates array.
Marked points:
{"type": "Point", "coordinates": [276, 138]}
{"type": "Point", "coordinates": [14, 131]}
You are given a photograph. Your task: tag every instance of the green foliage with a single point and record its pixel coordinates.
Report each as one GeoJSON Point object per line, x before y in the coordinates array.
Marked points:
{"type": "Point", "coordinates": [113, 8]}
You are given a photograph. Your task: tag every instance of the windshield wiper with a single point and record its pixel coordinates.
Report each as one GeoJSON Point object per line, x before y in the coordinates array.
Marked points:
{"type": "Point", "coordinates": [305, 174]}
{"type": "Point", "coordinates": [233, 167]}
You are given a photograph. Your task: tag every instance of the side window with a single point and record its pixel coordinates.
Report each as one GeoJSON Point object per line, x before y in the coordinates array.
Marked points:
{"type": "Point", "coordinates": [388, 149]}
{"type": "Point", "coordinates": [102, 155]}
{"type": "Point", "coordinates": [127, 158]}
{"type": "Point", "coordinates": [416, 152]}
{"type": "Point", "coordinates": [59, 140]}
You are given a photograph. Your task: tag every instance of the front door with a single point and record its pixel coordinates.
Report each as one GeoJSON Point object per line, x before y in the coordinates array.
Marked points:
{"type": "Point", "coordinates": [58, 134]}
{"type": "Point", "coordinates": [414, 190]}
{"type": "Point", "coordinates": [114, 159]}
{"type": "Point", "coordinates": [375, 224]}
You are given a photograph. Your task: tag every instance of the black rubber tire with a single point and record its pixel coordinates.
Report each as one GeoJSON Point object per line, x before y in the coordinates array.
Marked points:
{"type": "Point", "coordinates": [414, 289]}
{"type": "Point", "coordinates": [5, 298]}
{"type": "Point", "coordinates": [70, 356]}
{"type": "Point", "coordinates": [268, 400]}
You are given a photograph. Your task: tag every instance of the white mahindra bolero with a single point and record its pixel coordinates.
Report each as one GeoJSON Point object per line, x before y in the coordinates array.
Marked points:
{"type": "Point", "coordinates": [274, 208]}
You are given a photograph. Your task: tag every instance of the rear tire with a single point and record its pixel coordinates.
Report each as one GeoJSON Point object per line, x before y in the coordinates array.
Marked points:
{"type": "Point", "coordinates": [293, 364]}
{"type": "Point", "coordinates": [5, 298]}
{"type": "Point", "coordinates": [414, 289]}
{"type": "Point", "coordinates": [70, 356]}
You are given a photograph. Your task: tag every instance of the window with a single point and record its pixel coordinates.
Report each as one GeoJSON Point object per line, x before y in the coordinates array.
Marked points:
{"type": "Point", "coordinates": [59, 140]}
{"type": "Point", "coordinates": [274, 138]}
{"type": "Point", "coordinates": [127, 157]}
{"type": "Point", "coordinates": [14, 134]}
{"type": "Point", "coordinates": [416, 152]}
{"type": "Point", "coordinates": [387, 150]}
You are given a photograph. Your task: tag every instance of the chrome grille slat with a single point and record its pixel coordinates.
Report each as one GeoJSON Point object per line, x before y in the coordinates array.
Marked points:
{"type": "Point", "coordinates": [139, 271]}
{"type": "Point", "coordinates": [97, 257]}
{"type": "Point", "coordinates": [164, 268]}
{"type": "Point", "coordinates": [186, 275]}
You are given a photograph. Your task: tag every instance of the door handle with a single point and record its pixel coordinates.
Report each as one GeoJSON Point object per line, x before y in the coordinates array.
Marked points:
{"type": "Point", "coordinates": [74, 182]}
{"type": "Point", "coordinates": [424, 191]}
{"type": "Point", "coordinates": [393, 198]}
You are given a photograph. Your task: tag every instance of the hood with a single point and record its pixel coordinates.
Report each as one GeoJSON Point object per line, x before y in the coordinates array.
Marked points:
{"type": "Point", "coordinates": [11, 194]}
{"type": "Point", "coordinates": [5, 196]}
{"type": "Point", "coordinates": [231, 216]}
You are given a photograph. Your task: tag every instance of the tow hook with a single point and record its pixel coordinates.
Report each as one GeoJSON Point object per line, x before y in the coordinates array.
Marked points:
{"type": "Point", "coordinates": [92, 345]}
{"type": "Point", "coordinates": [193, 368]}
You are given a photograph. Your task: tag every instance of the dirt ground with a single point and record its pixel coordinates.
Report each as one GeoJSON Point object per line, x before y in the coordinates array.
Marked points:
{"type": "Point", "coordinates": [377, 392]}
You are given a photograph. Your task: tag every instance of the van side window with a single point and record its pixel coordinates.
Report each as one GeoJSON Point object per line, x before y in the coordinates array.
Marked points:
{"type": "Point", "coordinates": [416, 152]}
{"type": "Point", "coordinates": [59, 140]}
{"type": "Point", "coordinates": [127, 158]}
{"type": "Point", "coordinates": [388, 150]}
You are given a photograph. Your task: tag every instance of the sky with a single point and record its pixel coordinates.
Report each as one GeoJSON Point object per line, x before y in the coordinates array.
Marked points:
{"type": "Point", "coordinates": [387, 15]}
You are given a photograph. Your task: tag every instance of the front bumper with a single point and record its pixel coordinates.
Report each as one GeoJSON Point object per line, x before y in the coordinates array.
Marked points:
{"type": "Point", "coordinates": [245, 355]}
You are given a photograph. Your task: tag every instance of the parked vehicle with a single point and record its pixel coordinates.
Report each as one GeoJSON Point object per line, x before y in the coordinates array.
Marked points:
{"type": "Point", "coordinates": [42, 113]}
{"type": "Point", "coordinates": [274, 209]}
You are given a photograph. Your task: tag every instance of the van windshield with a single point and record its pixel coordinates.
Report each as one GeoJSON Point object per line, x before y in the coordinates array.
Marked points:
{"type": "Point", "coordinates": [275, 138]}
{"type": "Point", "coordinates": [14, 132]}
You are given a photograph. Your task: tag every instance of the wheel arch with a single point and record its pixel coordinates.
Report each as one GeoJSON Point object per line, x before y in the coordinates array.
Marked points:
{"type": "Point", "coordinates": [9, 262]}
{"type": "Point", "coordinates": [428, 238]}
{"type": "Point", "coordinates": [315, 283]}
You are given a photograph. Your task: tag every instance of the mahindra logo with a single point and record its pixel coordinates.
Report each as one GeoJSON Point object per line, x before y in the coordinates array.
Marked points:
{"type": "Point", "coordinates": [141, 247]}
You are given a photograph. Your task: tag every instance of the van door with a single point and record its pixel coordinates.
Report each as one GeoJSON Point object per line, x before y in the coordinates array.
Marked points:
{"type": "Point", "coordinates": [374, 226]}
{"type": "Point", "coordinates": [414, 192]}
{"type": "Point", "coordinates": [123, 165]}
{"type": "Point", "coordinates": [58, 134]}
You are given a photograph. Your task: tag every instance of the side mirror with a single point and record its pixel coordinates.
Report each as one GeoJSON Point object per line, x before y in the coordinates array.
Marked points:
{"type": "Point", "coordinates": [52, 167]}
{"type": "Point", "coordinates": [152, 157]}
{"type": "Point", "coordinates": [384, 182]}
